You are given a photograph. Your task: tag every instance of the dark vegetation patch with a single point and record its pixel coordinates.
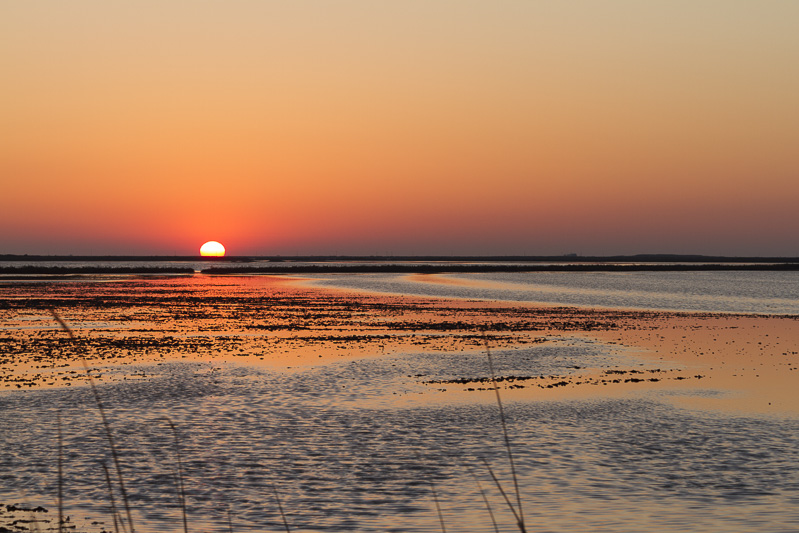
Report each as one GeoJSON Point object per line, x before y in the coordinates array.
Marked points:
{"type": "Point", "coordinates": [553, 381]}
{"type": "Point", "coordinates": [145, 320]}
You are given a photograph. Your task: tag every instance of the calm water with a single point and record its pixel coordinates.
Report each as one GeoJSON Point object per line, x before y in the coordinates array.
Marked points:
{"type": "Point", "coordinates": [354, 445]}
{"type": "Point", "coordinates": [719, 292]}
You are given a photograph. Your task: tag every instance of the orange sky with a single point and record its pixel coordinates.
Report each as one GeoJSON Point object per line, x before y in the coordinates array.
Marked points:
{"type": "Point", "coordinates": [429, 127]}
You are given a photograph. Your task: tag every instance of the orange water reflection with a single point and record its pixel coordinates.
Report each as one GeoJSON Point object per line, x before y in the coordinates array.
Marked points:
{"type": "Point", "coordinates": [335, 397]}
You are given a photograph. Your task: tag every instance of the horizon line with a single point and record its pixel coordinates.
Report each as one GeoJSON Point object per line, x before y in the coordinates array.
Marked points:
{"type": "Point", "coordinates": [378, 258]}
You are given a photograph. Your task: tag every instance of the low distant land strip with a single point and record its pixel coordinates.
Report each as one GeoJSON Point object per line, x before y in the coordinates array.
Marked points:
{"type": "Point", "coordinates": [571, 258]}
{"type": "Point", "coordinates": [393, 268]}
{"type": "Point", "coordinates": [64, 270]}
{"type": "Point", "coordinates": [469, 268]}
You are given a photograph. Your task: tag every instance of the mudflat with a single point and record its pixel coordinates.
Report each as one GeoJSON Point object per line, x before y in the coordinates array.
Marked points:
{"type": "Point", "coordinates": [120, 324]}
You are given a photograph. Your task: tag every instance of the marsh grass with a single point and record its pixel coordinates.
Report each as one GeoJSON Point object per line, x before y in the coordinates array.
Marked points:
{"type": "Point", "coordinates": [127, 526]}
{"type": "Point", "coordinates": [438, 507]}
{"type": "Point", "coordinates": [114, 512]}
{"type": "Point", "coordinates": [179, 475]}
{"type": "Point", "coordinates": [280, 508]}
{"type": "Point", "coordinates": [106, 425]}
{"type": "Point", "coordinates": [60, 475]}
{"type": "Point", "coordinates": [484, 497]}
{"type": "Point", "coordinates": [518, 514]}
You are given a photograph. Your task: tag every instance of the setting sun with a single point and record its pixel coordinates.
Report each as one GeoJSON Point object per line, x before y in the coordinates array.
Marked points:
{"type": "Point", "coordinates": [212, 249]}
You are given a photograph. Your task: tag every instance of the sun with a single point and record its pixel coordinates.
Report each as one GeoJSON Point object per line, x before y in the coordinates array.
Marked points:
{"type": "Point", "coordinates": [212, 249]}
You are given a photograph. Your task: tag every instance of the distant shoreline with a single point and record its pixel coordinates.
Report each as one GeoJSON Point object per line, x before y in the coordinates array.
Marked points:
{"type": "Point", "coordinates": [461, 268]}
{"type": "Point", "coordinates": [640, 258]}
{"type": "Point", "coordinates": [26, 265]}
{"type": "Point", "coordinates": [389, 268]}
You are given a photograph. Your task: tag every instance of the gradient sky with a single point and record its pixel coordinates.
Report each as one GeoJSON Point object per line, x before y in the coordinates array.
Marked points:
{"type": "Point", "coordinates": [406, 127]}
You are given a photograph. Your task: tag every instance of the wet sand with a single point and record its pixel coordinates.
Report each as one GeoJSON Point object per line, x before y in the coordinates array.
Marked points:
{"type": "Point", "coordinates": [752, 360]}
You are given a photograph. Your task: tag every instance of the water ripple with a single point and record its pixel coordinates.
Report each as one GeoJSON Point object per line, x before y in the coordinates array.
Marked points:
{"type": "Point", "coordinates": [345, 454]}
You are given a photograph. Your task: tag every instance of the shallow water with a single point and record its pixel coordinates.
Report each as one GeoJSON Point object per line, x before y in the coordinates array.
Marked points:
{"type": "Point", "coordinates": [758, 292]}
{"type": "Point", "coordinates": [354, 445]}
{"type": "Point", "coordinates": [714, 292]}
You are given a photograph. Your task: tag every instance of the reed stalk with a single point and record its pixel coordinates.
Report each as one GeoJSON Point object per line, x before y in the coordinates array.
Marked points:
{"type": "Point", "coordinates": [104, 418]}
{"type": "Point", "coordinates": [517, 511]}
{"type": "Point", "coordinates": [280, 508]}
{"type": "Point", "coordinates": [438, 507]}
{"type": "Point", "coordinates": [60, 476]}
{"type": "Point", "coordinates": [179, 475]}
{"type": "Point", "coordinates": [485, 498]}
{"type": "Point", "coordinates": [114, 512]}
